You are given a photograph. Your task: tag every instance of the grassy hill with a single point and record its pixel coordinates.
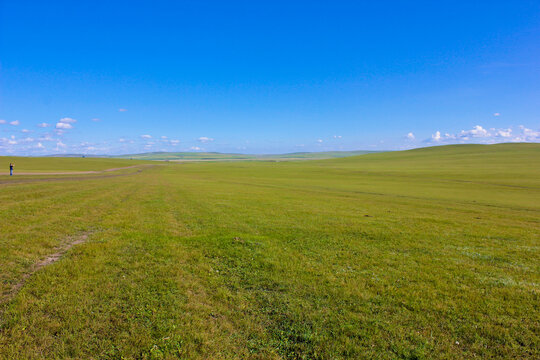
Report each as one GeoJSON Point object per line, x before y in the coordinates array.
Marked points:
{"type": "Point", "coordinates": [505, 163]}
{"type": "Point", "coordinates": [431, 253]}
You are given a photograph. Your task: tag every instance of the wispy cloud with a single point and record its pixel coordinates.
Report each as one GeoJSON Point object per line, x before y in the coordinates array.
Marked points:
{"type": "Point", "coordinates": [205, 139]}
{"type": "Point", "coordinates": [320, 141]}
{"type": "Point", "coordinates": [146, 136]}
{"type": "Point", "coordinates": [43, 125]}
{"type": "Point", "coordinates": [67, 120]}
{"type": "Point", "coordinates": [2, 121]}
{"type": "Point", "coordinates": [63, 126]}
{"type": "Point", "coordinates": [14, 122]}
{"type": "Point", "coordinates": [122, 110]}
{"type": "Point", "coordinates": [337, 136]}
{"type": "Point", "coordinates": [527, 134]}
{"type": "Point", "coordinates": [411, 136]}
{"type": "Point", "coordinates": [96, 119]}
{"type": "Point", "coordinates": [46, 137]}
{"type": "Point", "coordinates": [60, 146]}
{"type": "Point", "coordinates": [195, 148]}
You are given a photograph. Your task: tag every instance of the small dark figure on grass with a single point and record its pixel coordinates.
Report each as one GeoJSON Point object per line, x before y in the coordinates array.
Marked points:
{"type": "Point", "coordinates": [10, 169]}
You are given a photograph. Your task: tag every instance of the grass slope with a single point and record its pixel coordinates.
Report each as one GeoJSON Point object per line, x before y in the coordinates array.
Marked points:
{"type": "Point", "coordinates": [431, 253]}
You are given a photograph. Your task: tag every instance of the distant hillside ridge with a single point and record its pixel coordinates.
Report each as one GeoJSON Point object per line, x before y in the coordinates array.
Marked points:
{"type": "Point", "coordinates": [216, 156]}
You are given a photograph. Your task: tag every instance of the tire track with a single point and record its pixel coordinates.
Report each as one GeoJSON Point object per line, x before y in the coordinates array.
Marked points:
{"type": "Point", "coordinates": [58, 253]}
{"type": "Point", "coordinates": [73, 178]}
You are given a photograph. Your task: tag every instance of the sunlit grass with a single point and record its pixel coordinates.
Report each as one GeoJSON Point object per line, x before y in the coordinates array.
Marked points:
{"type": "Point", "coordinates": [55, 164]}
{"type": "Point", "coordinates": [431, 253]}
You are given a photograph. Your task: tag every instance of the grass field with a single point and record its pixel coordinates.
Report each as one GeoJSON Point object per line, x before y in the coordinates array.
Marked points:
{"type": "Point", "coordinates": [431, 253]}
{"type": "Point", "coordinates": [71, 164]}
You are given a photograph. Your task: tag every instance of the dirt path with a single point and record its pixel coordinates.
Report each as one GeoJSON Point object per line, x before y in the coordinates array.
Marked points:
{"type": "Point", "coordinates": [13, 180]}
{"type": "Point", "coordinates": [51, 259]}
{"type": "Point", "coordinates": [15, 173]}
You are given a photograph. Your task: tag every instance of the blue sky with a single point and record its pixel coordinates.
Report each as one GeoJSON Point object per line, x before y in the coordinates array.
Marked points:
{"type": "Point", "coordinates": [111, 77]}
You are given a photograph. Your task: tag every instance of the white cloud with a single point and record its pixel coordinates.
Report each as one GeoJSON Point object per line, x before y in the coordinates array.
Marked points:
{"type": "Point", "coordinates": [25, 131]}
{"type": "Point", "coordinates": [497, 114]}
{"type": "Point", "coordinates": [319, 141]}
{"type": "Point", "coordinates": [503, 133]}
{"type": "Point", "coordinates": [196, 148]}
{"type": "Point", "coordinates": [487, 136]}
{"type": "Point", "coordinates": [40, 146]}
{"type": "Point", "coordinates": [96, 119]}
{"type": "Point", "coordinates": [164, 137]}
{"type": "Point", "coordinates": [14, 123]}
{"type": "Point", "coordinates": [122, 110]}
{"type": "Point", "coordinates": [2, 121]}
{"type": "Point", "coordinates": [528, 134]}
{"type": "Point", "coordinates": [477, 131]}
{"type": "Point", "coordinates": [337, 136]}
{"type": "Point", "coordinates": [63, 126]}
{"type": "Point", "coordinates": [411, 136]}
{"type": "Point", "coordinates": [12, 142]}
{"type": "Point", "coordinates": [174, 142]}
{"type": "Point", "coordinates": [43, 125]}
{"type": "Point", "coordinates": [205, 139]}
{"type": "Point", "coordinates": [60, 145]}
{"type": "Point", "coordinates": [449, 136]}
{"type": "Point", "coordinates": [146, 136]}
{"type": "Point", "coordinates": [121, 140]}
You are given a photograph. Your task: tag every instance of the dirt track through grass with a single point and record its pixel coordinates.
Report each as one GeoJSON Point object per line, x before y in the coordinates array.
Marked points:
{"type": "Point", "coordinates": [74, 172]}
{"type": "Point", "coordinates": [81, 177]}
{"type": "Point", "coordinates": [50, 259]}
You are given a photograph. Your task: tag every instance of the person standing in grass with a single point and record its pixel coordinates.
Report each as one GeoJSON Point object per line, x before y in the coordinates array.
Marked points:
{"type": "Point", "coordinates": [10, 169]}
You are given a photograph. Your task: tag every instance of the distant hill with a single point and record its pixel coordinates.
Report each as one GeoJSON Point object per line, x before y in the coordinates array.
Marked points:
{"type": "Point", "coordinates": [76, 155]}
{"type": "Point", "coordinates": [215, 156]}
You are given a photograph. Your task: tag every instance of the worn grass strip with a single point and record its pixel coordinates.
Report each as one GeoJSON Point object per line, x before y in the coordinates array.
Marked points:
{"type": "Point", "coordinates": [50, 259]}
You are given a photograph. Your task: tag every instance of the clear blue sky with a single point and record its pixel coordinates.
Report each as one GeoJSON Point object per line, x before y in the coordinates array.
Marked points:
{"type": "Point", "coordinates": [111, 77]}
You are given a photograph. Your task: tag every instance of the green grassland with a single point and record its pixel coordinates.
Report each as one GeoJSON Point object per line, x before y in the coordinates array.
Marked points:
{"type": "Point", "coordinates": [431, 253]}
{"type": "Point", "coordinates": [68, 164]}
{"type": "Point", "coordinates": [214, 156]}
